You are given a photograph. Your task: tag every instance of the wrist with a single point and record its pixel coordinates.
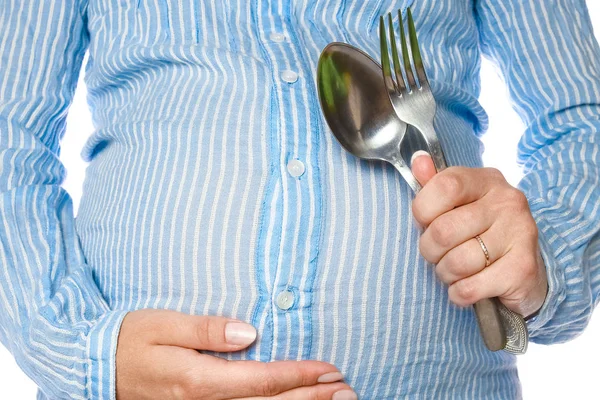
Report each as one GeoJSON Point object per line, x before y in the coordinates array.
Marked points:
{"type": "Point", "coordinates": [531, 317]}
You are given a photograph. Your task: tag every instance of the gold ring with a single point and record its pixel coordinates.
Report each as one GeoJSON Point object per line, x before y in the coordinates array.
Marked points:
{"type": "Point", "coordinates": [486, 253]}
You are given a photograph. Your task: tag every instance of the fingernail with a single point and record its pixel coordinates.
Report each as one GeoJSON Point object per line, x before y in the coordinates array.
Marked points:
{"type": "Point", "coordinates": [239, 334]}
{"type": "Point", "coordinates": [344, 395]}
{"type": "Point", "coordinates": [418, 153]}
{"type": "Point", "coordinates": [330, 377]}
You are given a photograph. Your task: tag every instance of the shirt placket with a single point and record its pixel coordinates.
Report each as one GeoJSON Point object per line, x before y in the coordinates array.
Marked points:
{"type": "Point", "coordinates": [292, 268]}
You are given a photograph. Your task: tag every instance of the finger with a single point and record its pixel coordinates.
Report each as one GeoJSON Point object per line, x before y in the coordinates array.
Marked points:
{"type": "Point", "coordinates": [252, 378]}
{"type": "Point", "coordinates": [510, 278]}
{"type": "Point", "coordinates": [467, 259]}
{"type": "Point", "coordinates": [199, 332]}
{"type": "Point", "coordinates": [453, 228]}
{"type": "Point", "coordinates": [422, 166]}
{"type": "Point", "coordinates": [453, 187]}
{"type": "Point", "coordinates": [335, 391]}
{"type": "Point", "coordinates": [483, 285]}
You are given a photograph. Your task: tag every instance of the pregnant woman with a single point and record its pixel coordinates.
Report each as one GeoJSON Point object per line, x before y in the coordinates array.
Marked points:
{"type": "Point", "coordinates": [227, 246]}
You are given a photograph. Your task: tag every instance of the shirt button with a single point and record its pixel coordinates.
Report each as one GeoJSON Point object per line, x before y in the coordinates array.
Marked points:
{"type": "Point", "coordinates": [296, 168]}
{"type": "Point", "coordinates": [277, 37]}
{"type": "Point", "coordinates": [285, 300]}
{"type": "Point", "coordinates": [289, 76]}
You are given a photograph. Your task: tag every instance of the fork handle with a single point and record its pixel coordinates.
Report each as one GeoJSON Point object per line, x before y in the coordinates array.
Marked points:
{"type": "Point", "coordinates": [487, 311]}
{"type": "Point", "coordinates": [434, 146]}
{"type": "Point", "coordinates": [501, 329]}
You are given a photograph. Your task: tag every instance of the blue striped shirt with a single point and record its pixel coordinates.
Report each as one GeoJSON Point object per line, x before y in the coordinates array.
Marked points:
{"type": "Point", "coordinates": [188, 202]}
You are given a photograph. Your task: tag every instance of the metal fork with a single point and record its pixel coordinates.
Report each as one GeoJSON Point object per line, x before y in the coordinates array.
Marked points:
{"type": "Point", "coordinates": [412, 100]}
{"type": "Point", "coordinates": [414, 104]}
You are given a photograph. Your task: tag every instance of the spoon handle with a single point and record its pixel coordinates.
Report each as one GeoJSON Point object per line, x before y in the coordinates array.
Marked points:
{"type": "Point", "coordinates": [490, 323]}
{"type": "Point", "coordinates": [406, 173]}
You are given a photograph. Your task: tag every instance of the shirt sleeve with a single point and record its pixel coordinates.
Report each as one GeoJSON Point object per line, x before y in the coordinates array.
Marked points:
{"type": "Point", "coordinates": [550, 61]}
{"type": "Point", "coordinates": [53, 318]}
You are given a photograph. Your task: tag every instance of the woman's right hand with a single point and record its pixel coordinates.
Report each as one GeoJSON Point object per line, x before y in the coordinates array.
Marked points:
{"type": "Point", "coordinates": [158, 358]}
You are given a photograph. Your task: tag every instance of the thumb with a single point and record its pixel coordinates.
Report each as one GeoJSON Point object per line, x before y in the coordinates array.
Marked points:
{"type": "Point", "coordinates": [202, 333]}
{"type": "Point", "coordinates": [422, 166]}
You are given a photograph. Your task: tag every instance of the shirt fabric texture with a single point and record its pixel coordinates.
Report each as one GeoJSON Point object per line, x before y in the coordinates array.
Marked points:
{"type": "Point", "coordinates": [188, 204]}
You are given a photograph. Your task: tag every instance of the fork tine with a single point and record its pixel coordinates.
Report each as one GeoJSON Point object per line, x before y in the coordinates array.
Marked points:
{"type": "Point", "coordinates": [385, 58]}
{"type": "Point", "coordinates": [416, 53]}
{"type": "Point", "coordinates": [397, 66]}
{"type": "Point", "coordinates": [410, 77]}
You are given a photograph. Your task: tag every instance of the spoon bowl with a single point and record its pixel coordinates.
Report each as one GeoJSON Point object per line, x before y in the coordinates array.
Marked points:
{"type": "Point", "coordinates": [357, 109]}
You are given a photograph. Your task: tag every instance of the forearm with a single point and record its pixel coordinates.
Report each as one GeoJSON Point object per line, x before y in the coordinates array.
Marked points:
{"type": "Point", "coordinates": [54, 319]}
{"type": "Point", "coordinates": [564, 196]}
{"type": "Point", "coordinates": [550, 61]}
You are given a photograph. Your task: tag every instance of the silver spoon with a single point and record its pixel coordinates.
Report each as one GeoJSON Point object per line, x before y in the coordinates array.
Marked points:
{"type": "Point", "coordinates": [357, 108]}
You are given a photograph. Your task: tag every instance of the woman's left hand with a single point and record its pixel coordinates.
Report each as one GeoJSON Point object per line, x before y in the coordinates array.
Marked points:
{"type": "Point", "coordinates": [461, 203]}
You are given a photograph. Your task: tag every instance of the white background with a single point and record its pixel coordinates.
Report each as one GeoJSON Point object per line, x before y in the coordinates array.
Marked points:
{"type": "Point", "coordinates": [565, 371]}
